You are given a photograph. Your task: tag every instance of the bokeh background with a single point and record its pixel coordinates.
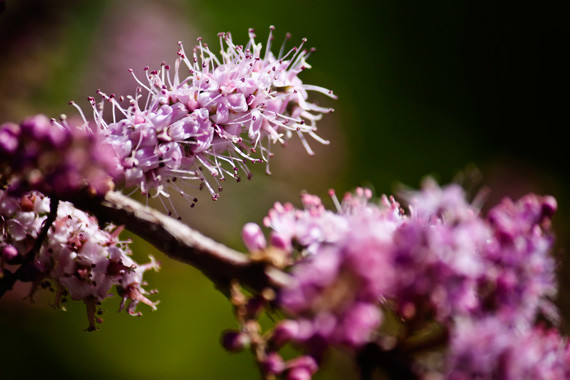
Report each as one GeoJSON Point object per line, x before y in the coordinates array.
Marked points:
{"type": "Point", "coordinates": [458, 90]}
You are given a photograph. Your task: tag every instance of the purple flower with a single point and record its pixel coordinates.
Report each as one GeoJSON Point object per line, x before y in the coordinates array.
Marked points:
{"type": "Point", "coordinates": [341, 274]}
{"type": "Point", "coordinates": [211, 120]}
{"type": "Point", "coordinates": [520, 269]}
{"type": "Point", "coordinates": [443, 261]}
{"type": "Point", "coordinates": [54, 158]}
{"type": "Point", "coordinates": [437, 254]}
{"type": "Point", "coordinates": [490, 349]}
{"type": "Point", "coordinates": [454, 262]}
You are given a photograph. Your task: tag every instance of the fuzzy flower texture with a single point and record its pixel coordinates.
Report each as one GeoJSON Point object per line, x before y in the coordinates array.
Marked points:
{"type": "Point", "coordinates": [209, 116]}
{"type": "Point", "coordinates": [60, 159]}
{"type": "Point", "coordinates": [442, 261]}
{"type": "Point", "coordinates": [77, 258]}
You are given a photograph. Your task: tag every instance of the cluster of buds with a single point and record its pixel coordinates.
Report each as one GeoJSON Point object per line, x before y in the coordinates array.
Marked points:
{"type": "Point", "coordinates": [264, 346]}
{"type": "Point", "coordinates": [442, 262]}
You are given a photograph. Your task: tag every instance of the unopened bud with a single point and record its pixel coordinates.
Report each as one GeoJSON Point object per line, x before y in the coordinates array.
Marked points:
{"type": "Point", "coordinates": [253, 237]}
{"type": "Point", "coordinates": [274, 364]}
{"type": "Point", "coordinates": [235, 341]}
{"type": "Point", "coordinates": [10, 254]}
{"type": "Point", "coordinates": [284, 332]}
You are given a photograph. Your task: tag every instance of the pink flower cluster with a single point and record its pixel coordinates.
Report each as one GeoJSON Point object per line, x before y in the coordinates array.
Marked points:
{"type": "Point", "coordinates": [54, 158]}
{"type": "Point", "coordinates": [488, 349]}
{"type": "Point", "coordinates": [442, 261]}
{"type": "Point", "coordinates": [221, 114]}
{"type": "Point", "coordinates": [77, 259]}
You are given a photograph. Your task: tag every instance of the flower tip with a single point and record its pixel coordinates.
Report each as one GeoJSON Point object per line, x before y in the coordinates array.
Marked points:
{"type": "Point", "coordinates": [153, 305]}
{"type": "Point", "coordinates": [253, 237]}
{"type": "Point", "coordinates": [235, 341]}
{"type": "Point", "coordinates": [549, 205]}
{"type": "Point", "coordinates": [153, 264]}
{"type": "Point", "coordinates": [10, 254]}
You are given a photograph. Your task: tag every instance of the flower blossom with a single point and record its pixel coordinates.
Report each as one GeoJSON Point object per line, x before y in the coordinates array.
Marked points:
{"type": "Point", "coordinates": [341, 271]}
{"type": "Point", "coordinates": [437, 254]}
{"type": "Point", "coordinates": [440, 261]}
{"type": "Point", "coordinates": [77, 259]}
{"type": "Point", "coordinates": [520, 268]}
{"type": "Point", "coordinates": [210, 116]}
{"type": "Point", "coordinates": [487, 349]}
{"type": "Point", "coordinates": [54, 158]}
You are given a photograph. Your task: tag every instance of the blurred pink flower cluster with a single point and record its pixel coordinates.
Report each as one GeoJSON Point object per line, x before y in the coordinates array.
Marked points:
{"type": "Point", "coordinates": [442, 261]}
{"type": "Point", "coordinates": [55, 158]}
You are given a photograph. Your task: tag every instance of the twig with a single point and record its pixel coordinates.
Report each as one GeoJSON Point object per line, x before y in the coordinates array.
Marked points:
{"type": "Point", "coordinates": [53, 206]}
{"type": "Point", "coordinates": [218, 262]}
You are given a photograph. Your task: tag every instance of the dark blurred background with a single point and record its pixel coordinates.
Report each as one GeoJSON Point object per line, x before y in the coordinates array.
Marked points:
{"type": "Point", "coordinates": [452, 89]}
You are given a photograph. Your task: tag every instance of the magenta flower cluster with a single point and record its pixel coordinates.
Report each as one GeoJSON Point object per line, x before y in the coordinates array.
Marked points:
{"type": "Point", "coordinates": [489, 349]}
{"type": "Point", "coordinates": [55, 158]}
{"type": "Point", "coordinates": [210, 117]}
{"type": "Point", "coordinates": [441, 261]}
{"type": "Point", "coordinates": [77, 259]}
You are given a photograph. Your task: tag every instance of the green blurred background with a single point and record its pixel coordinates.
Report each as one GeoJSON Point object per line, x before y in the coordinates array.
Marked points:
{"type": "Point", "coordinates": [425, 88]}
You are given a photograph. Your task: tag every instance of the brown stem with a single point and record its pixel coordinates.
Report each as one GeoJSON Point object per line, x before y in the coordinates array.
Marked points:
{"type": "Point", "coordinates": [218, 262]}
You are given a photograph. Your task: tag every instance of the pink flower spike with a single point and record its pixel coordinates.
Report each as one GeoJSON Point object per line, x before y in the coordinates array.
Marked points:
{"type": "Point", "coordinates": [209, 117]}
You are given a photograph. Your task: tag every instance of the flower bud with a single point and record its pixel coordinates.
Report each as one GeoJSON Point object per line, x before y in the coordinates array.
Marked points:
{"type": "Point", "coordinates": [10, 254]}
{"type": "Point", "coordinates": [284, 332]}
{"type": "Point", "coordinates": [253, 237]}
{"type": "Point", "coordinates": [235, 341]}
{"type": "Point", "coordinates": [274, 363]}
{"type": "Point", "coordinates": [301, 368]}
